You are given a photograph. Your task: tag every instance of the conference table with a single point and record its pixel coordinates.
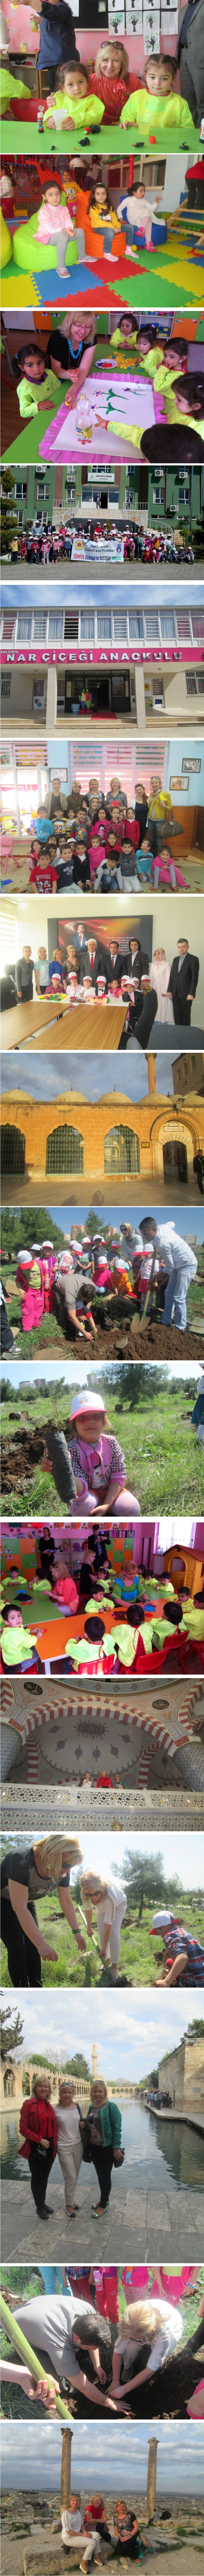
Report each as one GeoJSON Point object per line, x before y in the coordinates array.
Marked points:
{"type": "Point", "coordinates": [51, 1025]}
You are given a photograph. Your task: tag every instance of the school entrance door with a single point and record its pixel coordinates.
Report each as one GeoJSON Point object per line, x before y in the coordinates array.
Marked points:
{"type": "Point", "coordinates": [175, 1161]}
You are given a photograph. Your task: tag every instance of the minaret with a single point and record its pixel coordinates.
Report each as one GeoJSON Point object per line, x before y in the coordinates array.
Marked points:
{"type": "Point", "coordinates": [150, 1061]}
{"type": "Point", "coordinates": [94, 2061]}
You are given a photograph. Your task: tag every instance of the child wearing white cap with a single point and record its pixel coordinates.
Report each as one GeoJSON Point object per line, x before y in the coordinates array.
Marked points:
{"type": "Point", "coordinates": [97, 1459]}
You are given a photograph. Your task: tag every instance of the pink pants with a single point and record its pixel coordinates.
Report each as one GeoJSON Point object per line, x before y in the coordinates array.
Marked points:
{"type": "Point", "coordinates": [32, 1309]}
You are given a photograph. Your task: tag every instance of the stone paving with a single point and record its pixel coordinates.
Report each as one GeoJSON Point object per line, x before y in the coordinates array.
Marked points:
{"type": "Point", "coordinates": [162, 2224]}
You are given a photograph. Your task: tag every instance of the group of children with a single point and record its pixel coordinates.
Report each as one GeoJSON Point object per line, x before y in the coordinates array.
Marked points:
{"type": "Point", "coordinates": [84, 96]}
{"type": "Point", "coordinates": [137, 351]}
{"type": "Point", "coordinates": [105, 1618]}
{"type": "Point", "coordinates": [75, 226]}
{"type": "Point", "coordinates": [111, 851]}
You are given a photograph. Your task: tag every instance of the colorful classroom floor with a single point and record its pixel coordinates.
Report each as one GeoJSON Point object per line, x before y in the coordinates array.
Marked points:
{"type": "Point", "coordinates": [174, 274]}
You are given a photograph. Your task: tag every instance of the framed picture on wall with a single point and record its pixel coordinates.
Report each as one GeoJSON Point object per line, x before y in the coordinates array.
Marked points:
{"type": "Point", "coordinates": [179, 786]}
{"type": "Point", "coordinates": [192, 765]}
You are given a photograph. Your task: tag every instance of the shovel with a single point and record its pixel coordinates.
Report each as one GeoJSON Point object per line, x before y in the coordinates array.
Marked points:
{"type": "Point", "coordinates": [140, 1327]}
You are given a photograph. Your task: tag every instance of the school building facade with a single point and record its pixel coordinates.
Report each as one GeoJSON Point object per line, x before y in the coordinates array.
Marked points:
{"type": "Point", "coordinates": [162, 497]}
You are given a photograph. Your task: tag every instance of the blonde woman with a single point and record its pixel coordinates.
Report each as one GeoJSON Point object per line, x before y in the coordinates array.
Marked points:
{"type": "Point", "coordinates": [107, 1898]}
{"type": "Point", "coordinates": [25, 1874]}
{"type": "Point", "coordinates": [147, 2335]}
{"type": "Point", "coordinates": [101, 2140]}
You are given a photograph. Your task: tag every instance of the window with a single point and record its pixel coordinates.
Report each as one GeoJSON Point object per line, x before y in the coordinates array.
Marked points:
{"type": "Point", "coordinates": [104, 628]}
{"type": "Point", "coordinates": [9, 623]}
{"type": "Point", "coordinates": [39, 627]}
{"type": "Point", "coordinates": [55, 626]}
{"type": "Point", "coordinates": [12, 1149]}
{"type": "Point", "coordinates": [182, 626]}
{"type": "Point", "coordinates": [167, 625]}
{"type": "Point", "coordinates": [136, 626]}
{"type": "Point", "coordinates": [87, 627]}
{"type": "Point", "coordinates": [71, 627]}
{"type": "Point", "coordinates": [121, 1151]}
{"type": "Point", "coordinates": [195, 684]}
{"type": "Point", "coordinates": [65, 1150]}
{"type": "Point", "coordinates": [120, 629]}
{"type": "Point", "coordinates": [5, 684]}
{"type": "Point", "coordinates": [197, 624]}
{"type": "Point", "coordinates": [21, 488]}
{"type": "Point", "coordinates": [24, 628]}
{"type": "Point", "coordinates": [151, 627]}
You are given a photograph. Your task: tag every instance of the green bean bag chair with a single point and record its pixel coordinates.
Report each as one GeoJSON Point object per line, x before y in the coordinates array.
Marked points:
{"type": "Point", "coordinates": [6, 244]}
{"type": "Point", "coordinates": [30, 253]}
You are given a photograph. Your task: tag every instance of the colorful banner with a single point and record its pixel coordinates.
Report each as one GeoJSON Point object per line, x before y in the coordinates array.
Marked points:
{"type": "Point", "coordinates": [94, 654]}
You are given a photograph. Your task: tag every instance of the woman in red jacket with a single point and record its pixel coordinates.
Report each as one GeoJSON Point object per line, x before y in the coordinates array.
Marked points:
{"type": "Point", "coordinates": [38, 2127]}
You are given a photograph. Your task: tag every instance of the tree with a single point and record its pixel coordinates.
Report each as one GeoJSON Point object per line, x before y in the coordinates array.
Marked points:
{"type": "Point", "coordinates": [10, 2038]}
{"type": "Point", "coordinates": [195, 2030]}
{"type": "Point", "coordinates": [77, 2066]}
{"type": "Point", "coordinates": [9, 514]}
{"type": "Point", "coordinates": [10, 1230]}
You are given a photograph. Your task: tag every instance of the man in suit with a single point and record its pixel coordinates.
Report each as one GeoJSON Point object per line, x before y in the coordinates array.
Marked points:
{"type": "Point", "coordinates": [95, 960]}
{"type": "Point", "coordinates": [183, 981]}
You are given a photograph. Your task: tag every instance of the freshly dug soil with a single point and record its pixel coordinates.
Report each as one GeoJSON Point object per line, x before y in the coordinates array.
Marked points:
{"type": "Point", "coordinates": [19, 1457]}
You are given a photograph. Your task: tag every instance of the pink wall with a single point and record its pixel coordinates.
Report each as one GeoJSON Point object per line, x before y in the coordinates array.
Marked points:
{"type": "Point", "coordinates": [21, 31]}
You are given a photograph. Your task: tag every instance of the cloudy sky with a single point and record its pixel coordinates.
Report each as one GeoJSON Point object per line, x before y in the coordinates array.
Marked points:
{"type": "Point", "coordinates": [31, 2457]}
{"type": "Point", "coordinates": [111, 1850]}
{"type": "Point", "coordinates": [47, 1078]}
{"type": "Point", "coordinates": [136, 2035]}
{"type": "Point", "coordinates": [33, 596]}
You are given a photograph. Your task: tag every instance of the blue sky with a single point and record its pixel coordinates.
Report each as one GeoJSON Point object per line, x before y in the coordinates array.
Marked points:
{"type": "Point", "coordinates": [31, 2457]}
{"type": "Point", "coordinates": [181, 1854]}
{"type": "Point", "coordinates": [188, 1220]}
{"type": "Point", "coordinates": [47, 1080]}
{"type": "Point", "coordinates": [32, 595]}
{"type": "Point", "coordinates": [136, 2035]}
{"type": "Point", "coordinates": [94, 1374]}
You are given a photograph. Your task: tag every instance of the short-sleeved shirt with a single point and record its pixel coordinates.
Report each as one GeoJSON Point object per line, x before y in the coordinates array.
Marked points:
{"type": "Point", "coordinates": [22, 1867]}
{"type": "Point", "coordinates": [95, 1467]}
{"type": "Point", "coordinates": [49, 2322]}
{"type": "Point", "coordinates": [168, 2335]}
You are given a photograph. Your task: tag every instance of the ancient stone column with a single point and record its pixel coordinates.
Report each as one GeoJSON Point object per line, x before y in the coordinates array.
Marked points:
{"type": "Point", "coordinates": [66, 2466]}
{"type": "Point", "coordinates": [151, 2479]}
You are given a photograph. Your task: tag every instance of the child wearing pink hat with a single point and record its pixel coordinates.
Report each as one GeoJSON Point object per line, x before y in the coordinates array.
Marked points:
{"type": "Point", "coordinates": [97, 1459]}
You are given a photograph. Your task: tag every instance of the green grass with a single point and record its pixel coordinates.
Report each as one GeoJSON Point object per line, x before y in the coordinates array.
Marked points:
{"type": "Point", "coordinates": [49, 1332]}
{"type": "Point", "coordinates": [164, 1460]}
{"type": "Point", "coordinates": [139, 1958]}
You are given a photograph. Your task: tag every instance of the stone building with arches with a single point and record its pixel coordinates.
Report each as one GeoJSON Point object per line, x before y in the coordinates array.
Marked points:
{"type": "Point", "coordinates": [97, 1145]}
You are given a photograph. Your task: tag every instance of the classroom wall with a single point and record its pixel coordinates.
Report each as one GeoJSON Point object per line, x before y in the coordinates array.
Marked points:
{"type": "Point", "coordinates": [31, 921]}
{"type": "Point", "coordinates": [175, 753]}
{"type": "Point", "coordinates": [23, 38]}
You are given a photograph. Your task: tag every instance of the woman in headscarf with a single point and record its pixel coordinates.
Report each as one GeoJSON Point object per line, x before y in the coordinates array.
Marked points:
{"type": "Point", "coordinates": [27, 1873]}
{"type": "Point", "coordinates": [159, 973]}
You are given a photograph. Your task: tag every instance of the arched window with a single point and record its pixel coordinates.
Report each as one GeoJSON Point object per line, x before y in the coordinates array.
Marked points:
{"type": "Point", "coordinates": [12, 1149]}
{"type": "Point", "coordinates": [121, 1150]}
{"type": "Point", "coordinates": [65, 1150]}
